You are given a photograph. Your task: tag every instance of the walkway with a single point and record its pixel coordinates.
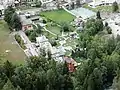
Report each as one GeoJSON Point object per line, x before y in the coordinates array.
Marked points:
{"type": "Point", "coordinates": [69, 11]}
{"type": "Point", "coordinates": [49, 31]}
{"type": "Point", "coordinates": [30, 47]}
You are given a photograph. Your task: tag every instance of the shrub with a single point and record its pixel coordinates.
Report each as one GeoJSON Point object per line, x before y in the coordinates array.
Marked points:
{"type": "Point", "coordinates": [44, 21]}
{"type": "Point", "coordinates": [20, 41]}
{"type": "Point", "coordinates": [53, 42]}
{"type": "Point", "coordinates": [109, 30]}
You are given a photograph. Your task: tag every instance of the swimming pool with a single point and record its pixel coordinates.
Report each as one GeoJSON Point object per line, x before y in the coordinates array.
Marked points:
{"type": "Point", "coordinates": [83, 12]}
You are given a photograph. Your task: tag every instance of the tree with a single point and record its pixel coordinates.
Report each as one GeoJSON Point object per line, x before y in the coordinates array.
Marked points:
{"type": "Point", "coordinates": [109, 30]}
{"type": "Point", "coordinates": [8, 13]}
{"type": "Point", "coordinates": [9, 69]}
{"type": "Point", "coordinates": [98, 15]}
{"type": "Point", "coordinates": [116, 81]}
{"type": "Point", "coordinates": [49, 55]}
{"type": "Point", "coordinates": [115, 7]}
{"type": "Point", "coordinates": [106, 24]}
{"type": "Point", "coordinates": [39, 29]}
{"type": "Point", "coordinates": [33, 36]}
{"type": "Point", "coordinates": [38, 3]}
{"type": "Point", "coordinates": [72, 5]}
{"type": "Point", "coordinates": [16, 22]}
{"type": "Point", "coordinates": [65, 27]}
{"type": "Point", "coordinates": [78, 3]}
{"type": "Point", "coordinates": [92, 54]}
{"type": "Point", "coordinates": [8, 86]}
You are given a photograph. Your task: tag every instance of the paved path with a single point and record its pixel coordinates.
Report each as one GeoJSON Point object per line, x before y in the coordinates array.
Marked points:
{"type": "Point", "coordinates": [32, 49]}
{"type": "Point", "coordinates": [49, 31]}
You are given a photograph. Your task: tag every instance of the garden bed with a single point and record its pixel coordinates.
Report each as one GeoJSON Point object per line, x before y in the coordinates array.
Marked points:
{"type": "Point", "coordinates": [20, 41]}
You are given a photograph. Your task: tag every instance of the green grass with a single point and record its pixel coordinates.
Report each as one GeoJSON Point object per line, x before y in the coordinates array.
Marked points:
{"type": "Point", "coordinates": [99, 8]}
{"type": "Point", "coordinates": [7, 42]}
{"type": "Point", "coordinates": [54, 29]}
{"type": "Point", "coordinates": [71, 42]}
{"type": "Point", "coordinates": [48, 35]}
{"type": "Point", "coordinates": [58, 16]}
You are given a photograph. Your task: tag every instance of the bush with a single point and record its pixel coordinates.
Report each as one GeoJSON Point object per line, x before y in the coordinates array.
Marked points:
{"type": "Point", "coordinates": [20, 41]}
{"type": "Point", "coordinates": [106, 24]}
{"type": "Point", "coordinates": [28, 32]}
{"type": "Point", "coordinates": [53, 42]}
{"type": "Point", "coordinates": [44, 21]}
{"type": "Point", "coordinates": [115, 7]}
{"type": "Point", "coordinates": [109, 30]}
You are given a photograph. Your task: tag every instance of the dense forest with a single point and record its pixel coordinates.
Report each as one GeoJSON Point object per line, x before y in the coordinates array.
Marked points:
{"type": "Point", "coordinates": [99, 69]}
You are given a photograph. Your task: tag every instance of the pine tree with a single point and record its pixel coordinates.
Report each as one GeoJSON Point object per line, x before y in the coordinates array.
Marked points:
{"type": "Point", "coordinates": [8, 86]}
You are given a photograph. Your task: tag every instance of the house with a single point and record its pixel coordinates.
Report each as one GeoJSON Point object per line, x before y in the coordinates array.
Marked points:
{"type": "Point", "coordinates": [95, 3]}
{"type": "Point", "coordinates": [71, 63]}
{"type": "Point", "coordinates": [43, 43]}
{"type": "Point", "coordinates": [26, 23]}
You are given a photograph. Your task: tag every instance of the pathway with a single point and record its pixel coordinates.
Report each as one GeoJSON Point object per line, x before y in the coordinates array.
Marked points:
{"type": "Point", "coordinates": [49, 31]}
{"type": "Point", "coordinates": [32, 49]}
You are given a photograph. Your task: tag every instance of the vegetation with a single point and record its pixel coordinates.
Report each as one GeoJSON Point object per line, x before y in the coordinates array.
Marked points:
{"type": "Point", "coordinates": [115, 7]}
{"type": "Point", "coordinates": [16, 22]}
{"type": "Point", "coordinates": [78, 3]}
{"type": "Point", "coordinates": [58, 16]}
{"type": "Point", "coordinates": [20, 41]}
{"type": "Point", "coordinates": [12, 19]}
{"type": "Point", "coordinates": [98, 15]}
{"type": "Point", "coordinates": [105, 8]}
{"type": "Point", "coordinates": [39, 73]}
{"type": "Point", "coordinates": [99, 66]}
{"type": "Point", "coordinates": [8, 15]}
{"type": "Point", "coordinates": [7, 43]}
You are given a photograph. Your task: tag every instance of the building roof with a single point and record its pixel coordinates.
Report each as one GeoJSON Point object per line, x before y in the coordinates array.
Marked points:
{"type": "Point", "coordinates": [1, 7]}
{"type": "Point", "coordinates": [70, 61]}
{"type": "Point", "coordinates": [41, 39]}
{"type": "Point", "coordinates": [24, 20]}
{"type": "Point", "coordinates": [16, 2]}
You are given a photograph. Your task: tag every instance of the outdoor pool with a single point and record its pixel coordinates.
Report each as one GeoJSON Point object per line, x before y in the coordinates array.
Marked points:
{"type": "Point", "coordinates": [83, 12]}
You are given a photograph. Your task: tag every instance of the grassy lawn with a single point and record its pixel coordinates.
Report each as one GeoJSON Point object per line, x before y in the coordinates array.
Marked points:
{"type": "Point", "coordinates": [99, 8]}
{"type": "Point", "coordinates": [48, 35]}
{"type": "Point", "coordinates": [16, 55]}
{"type": "Point", "coordinates": [58, 15]}
{"type": "Point", "coordinates": [54, 29]}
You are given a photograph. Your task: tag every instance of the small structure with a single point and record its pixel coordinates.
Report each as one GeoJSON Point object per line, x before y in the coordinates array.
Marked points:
{"type": "Point", "coordinates": [101, 2]}
{"type": "Point", "coordinates": [26, 23]}
{"type": "Point", "coordinates": [71, 63]}
{"type": "Point", "coordinates": [43, 43]}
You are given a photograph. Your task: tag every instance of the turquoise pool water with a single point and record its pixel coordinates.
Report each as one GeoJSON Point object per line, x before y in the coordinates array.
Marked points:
{"type": "Point", "coordinates": [83, 12]}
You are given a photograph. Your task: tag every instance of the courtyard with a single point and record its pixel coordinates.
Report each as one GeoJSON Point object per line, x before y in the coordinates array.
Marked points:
{"type": "Point", "coordinates": [8, 47]}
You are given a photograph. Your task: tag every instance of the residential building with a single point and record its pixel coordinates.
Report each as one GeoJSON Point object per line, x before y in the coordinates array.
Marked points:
{"type": "Point", "coordinates": [95, 3]}
{"type": "Point", "coordinates": [71, 64]}
{"type": "Point", "coordinates": [5, 3]}
{"type": "Point", "coordinates": [26, 23]}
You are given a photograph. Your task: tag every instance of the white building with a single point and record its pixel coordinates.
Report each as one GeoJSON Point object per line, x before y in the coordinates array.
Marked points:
{"type": "Point", "coordinates": [57, 53]}
{"type": "Point", "coordinates": [95, 3]}
{"type": "Point", "coordinates": [5, 3]}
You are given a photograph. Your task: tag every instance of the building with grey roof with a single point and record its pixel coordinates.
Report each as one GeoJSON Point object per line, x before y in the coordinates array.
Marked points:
{"type": "Point", "coordinates": [26, 23]}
